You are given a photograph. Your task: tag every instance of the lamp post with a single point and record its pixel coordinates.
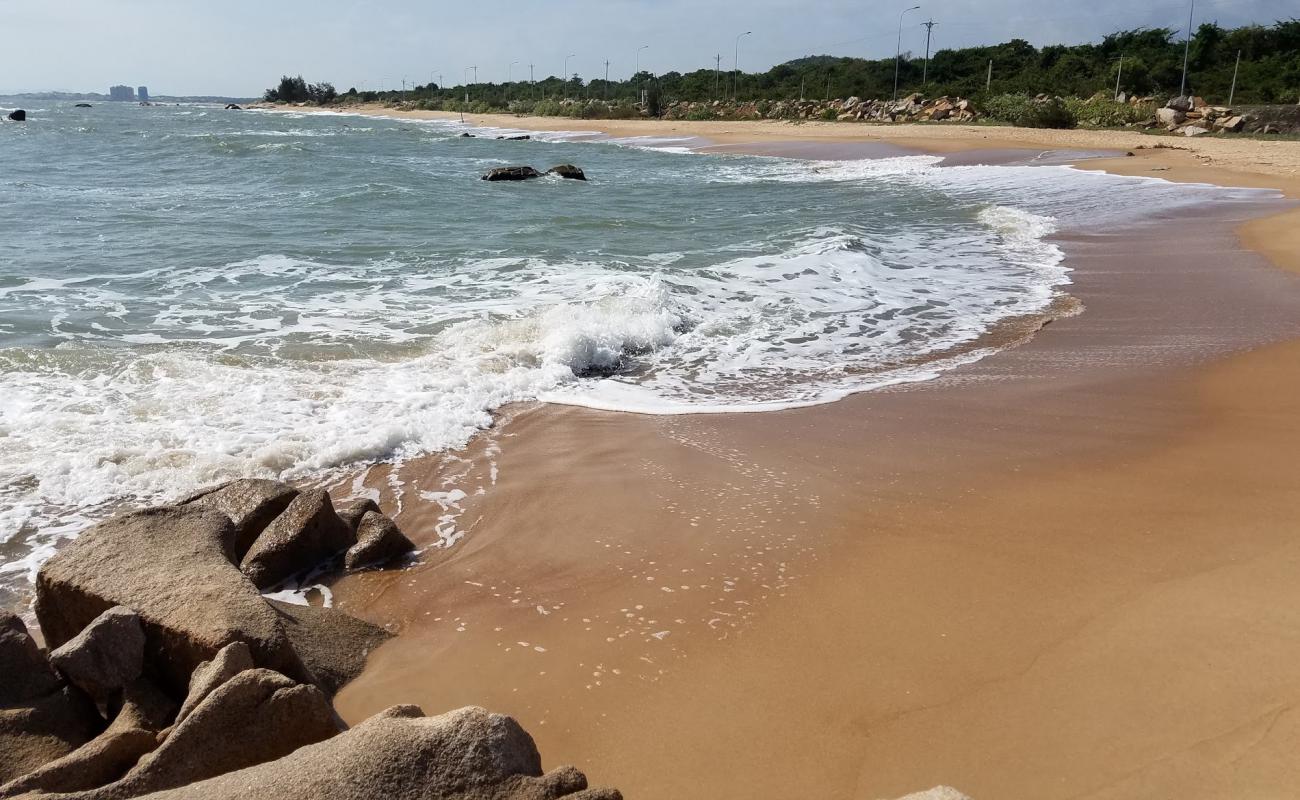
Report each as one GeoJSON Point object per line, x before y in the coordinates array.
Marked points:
{"type": "Point", "coordinates": [735, 68]}
{"type": "Point", "coordinates": [898, 50]}
{"type": "Point", "coordinates": [566, 74]}
{"type": "Point", "coordinates": [1187, 48]}
{"type": "Point", "coordinates": [638, 71]}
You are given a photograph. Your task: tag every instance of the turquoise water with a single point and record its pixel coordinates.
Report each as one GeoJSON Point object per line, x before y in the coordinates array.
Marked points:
{"type": "Point", "coordinates": [189, 294]}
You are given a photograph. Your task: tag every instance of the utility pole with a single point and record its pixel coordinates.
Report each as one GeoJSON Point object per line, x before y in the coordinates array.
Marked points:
{"type": "Point", "coordinates": [717, 74]}
{"type": "Point", "coordinates": [925, 71]}
{"type": "Point", "coordinates": [1119, 75]}
{"type": "Point", "coordinates": [828, 88]}
{"type": "Point", "coordinates": [566, 74]}
{"type": "Point", "coordinates": [802, 81]}
{"type": "Point", "coordinates": [1187, 48]}
{"type": "Point", "coordinates": [531, 80]}
{"type": "Point", "coordinates": [898, 51]}
{"type": "Point", "coordinates": [640, 86]}
{"type": "Point", "coordinates": [606, 78]}
{"type": "Point", "coordinates": [988, 82]}
{"type": "Point", "coordinates": [1233, 91]}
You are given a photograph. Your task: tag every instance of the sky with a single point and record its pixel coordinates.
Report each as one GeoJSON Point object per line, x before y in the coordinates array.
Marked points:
{"type": "Point", "coordinates": [240, 47]}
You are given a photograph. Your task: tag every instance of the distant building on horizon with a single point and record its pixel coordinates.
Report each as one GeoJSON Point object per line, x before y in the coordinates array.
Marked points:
{"type": "Point", "coordinates": [121, 93]}
{"type": "Point", "coordinates": [143, 94]}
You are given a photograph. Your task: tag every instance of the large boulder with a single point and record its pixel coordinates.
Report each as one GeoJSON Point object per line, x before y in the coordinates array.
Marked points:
{"type": "Point", "coordinates": [231, 660]}
{"type": "Point", "coordinates": [106, 758]}
{"type": "Point", "coordinates": [18, 115]}
{"type": "Point", "coordinates": [378, 540]}
{"type": "Point", "coordinates": [351, 511]}
{"type": "Point", "coordinates": [45, 728]}
{"type": "Point", "coordinates": [307, 533]}
{"type": "Point", "coordinates": [402, 755]}
{"type": "Point", "coordinates": [1170, 116]}
{"type": "Point", "coordinates": [169, 565]}
{"type": "Point", "coordinates": [251, 504]}
{"type": "Point", "coordinates": [27, 674]}
{"type": "Point", "coordinates": [568, 171]}
{"type": "Point", "coordinates": [511, 174]}
{"type": "Point", "coordinates": [106, 656]}
{"type": "Point", "coordinates": [333, 645]}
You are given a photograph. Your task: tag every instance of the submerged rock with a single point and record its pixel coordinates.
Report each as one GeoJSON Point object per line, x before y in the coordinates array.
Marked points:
{"type": "Point", "coordinates": [18, 115]}
{"type": "Point", "coordinates": [515, 138]}
{"type": "Point", "coordinates": [82, 105]}
{"type": "Point", "coordinates": [512, 174]}
{"type": "Point", "coordinates": [352, 511]}
{"type": "Point", "coordinates": [106, 656]}
{"type": "Point", "coordinates": [378, 540]}
{"type": "Point", "coordinates": [568, 171]}
{"type": "Point", "coordinates": [304, 535]}
{"type": "Point", "coordinates": [332, 645]}
{"type": "Point", "coordinates": [170, 566]}
{"type": "Point", "coordinates": [402, 755]}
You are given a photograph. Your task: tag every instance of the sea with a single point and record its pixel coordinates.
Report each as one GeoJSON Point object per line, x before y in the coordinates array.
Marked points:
{"type": "Point", "coordinates": [190, 294]}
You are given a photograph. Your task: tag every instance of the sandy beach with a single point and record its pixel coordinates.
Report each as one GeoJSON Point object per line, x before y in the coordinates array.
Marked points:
{"type": "Point", "coordinates": [1064, 571]}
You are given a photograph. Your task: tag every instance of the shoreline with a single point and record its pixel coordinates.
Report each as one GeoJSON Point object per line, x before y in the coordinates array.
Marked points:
{"type": "Point", "coordinates": [994, 569]}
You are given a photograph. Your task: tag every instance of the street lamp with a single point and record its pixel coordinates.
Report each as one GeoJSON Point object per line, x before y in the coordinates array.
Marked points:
{"type": "Point", "coordinates": [735, 68]}
{"type": "Point", "coordinates": [566, 74]}
{"type": "Point", "coordinates": [898, 50]}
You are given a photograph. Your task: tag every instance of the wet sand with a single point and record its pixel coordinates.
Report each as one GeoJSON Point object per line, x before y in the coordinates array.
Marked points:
{"type": "Point", "coordinates": [1064, 571]}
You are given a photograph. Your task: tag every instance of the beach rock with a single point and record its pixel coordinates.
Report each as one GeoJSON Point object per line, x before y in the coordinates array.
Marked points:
{"type": "Point", "coordinates": [82, 105]}
{"type": "Point", "coordinates": [378, 540]}
{"type": "Point", "coordinates": [304, 535]}
{"type": "Point", "coordinates": [352, 511]}
{"type": "Point", "coordinates": [18, 115]}
{"type": "Point", "coordinates": [45, 728]}
{"type": "Point", "coordinates": [511, 174]}
{"type": "Point", "coordinates": [231, 660]}
{"type": "Point", "coordinates": [252, 504]}
{"type": "Point", "coordinates": [233, 107]}
{"type": "Point", "coordinates": [333, 645]}
{"type": "Point", "coordinates": [169, 565]}
{"type": "Point", "coordinates": [1194, 130]}
{"type": "Point", "coordinates": [106, 656]}
{"type": "Point", "coordinates": [107, 757]}
{"type": "Point", "coordinates": [1170, 116]}
{"type": "Point", "coordinates": [468, 136]}
{"type": "Point", "coordinates": [515, 138]}
{"type": "Point", "coordinates": [401, 755]}
{"type": "Point", "coordinates": [27, 674]}
{"type": "Point", "coordinates": [567, 171]}
{"type": "Point", "coordinates": [256, 716]}
{"type": "Point", "coordinates": [1183, 104]}
{"type": "Point", "coordinates": [1232, 124]}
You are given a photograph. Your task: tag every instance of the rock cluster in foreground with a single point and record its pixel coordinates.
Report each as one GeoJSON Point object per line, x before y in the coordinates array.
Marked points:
{"type": "Point", "coordinates": [169, 674]}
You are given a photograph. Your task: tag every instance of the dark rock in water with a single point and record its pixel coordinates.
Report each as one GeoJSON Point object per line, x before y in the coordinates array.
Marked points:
{"type": "Point", "coordinates": [468, 136]}
{"type": "Point", "coordinates": [106, 656]}
{"type": "Point", "coordinates": [515, 138]}
{"type": "Point", "coordinates": [378, 540]}
{"type": "Point", "coordinates": [27, 675]}
{"type": "Point", "coordinates": [170, 566]}
{"type": "Point", "coordinates": [333, 645]}
{"type": "Point", "coordinates": [352, 511]}
{"type": "Point", "coordinates": [45, 728]}
{"type": "Point", "coordinates": [403, 755]}
{"type": "Point", "coordinates": [18, 115]}
{"type": "Point", "coordinates": [256, 716]}
{"type": "Point", "coordinates": [233, 107]}
{"type": "Point", "coordinates": [82, 105]}
{"type": "Point", "coordinates": [568, 171]}
{"type": "Point", "coordinates": [251, 504]}
{"type": "Point", "coordinates": [512, 174]}
{"type": "Point", "coordinates": [107, 757]}
{"type": "Point", "coordinates": [307, 533]}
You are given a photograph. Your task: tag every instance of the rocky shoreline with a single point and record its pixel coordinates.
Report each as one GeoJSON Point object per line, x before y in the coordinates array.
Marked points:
{"type": "Point", "coordinates": [169, 674]}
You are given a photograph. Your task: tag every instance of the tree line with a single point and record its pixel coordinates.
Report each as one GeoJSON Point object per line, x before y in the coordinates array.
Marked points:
{"type": "Point", "coordinates": [1144, 62]}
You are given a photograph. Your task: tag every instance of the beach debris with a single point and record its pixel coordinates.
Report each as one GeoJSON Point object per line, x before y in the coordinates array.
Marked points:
{"type": "Point", "coordinates": [105, 656]}
{"type": "Point", "coordinates": [17, 115]}
{"type": "Point", "coordinates": [250, 503]}
{"type": "Point", "coordinates": [308, 532]}
{"type": "Point", "coordinates": [511, 174]}
{"type": "Point", "coordinates": [567, 171]}
{"type": "Point", "coordinates": [332, 645]}
{"type": "Point", "coordinates": [378, 540]}
{"type": "Point", "coordinates": [170, 566]}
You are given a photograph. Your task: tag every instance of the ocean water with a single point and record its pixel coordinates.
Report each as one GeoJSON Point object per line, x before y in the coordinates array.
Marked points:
{"type": "Point", "coordinates": [189, 294]}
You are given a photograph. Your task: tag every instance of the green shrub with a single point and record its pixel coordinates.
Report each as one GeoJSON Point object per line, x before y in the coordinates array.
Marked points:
{"type": "Point", "coordinates": [830, 114]}
{"type": "Point", "coordinates": [1103, 112]}
{"type": "Point", "coordinates": [1026, 112]}
{"type": "Point", "coordinates": [701, 114]}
